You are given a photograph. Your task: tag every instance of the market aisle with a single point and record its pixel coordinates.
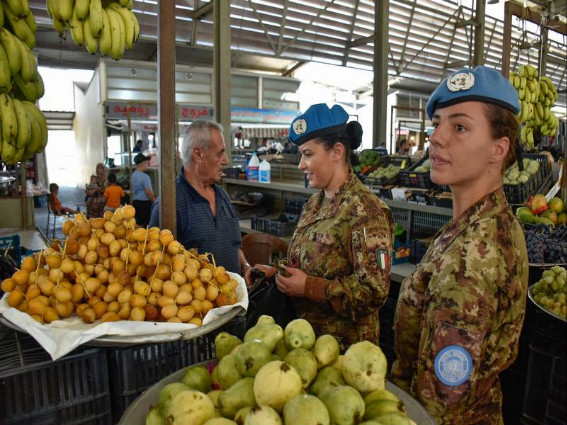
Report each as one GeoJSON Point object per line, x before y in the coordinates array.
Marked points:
{"type": "Point", "coordinates": [72, 197]}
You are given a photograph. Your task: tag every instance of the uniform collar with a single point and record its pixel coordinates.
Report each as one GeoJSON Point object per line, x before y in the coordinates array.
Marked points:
{"type": "Point", "coordinates": [491, 205]}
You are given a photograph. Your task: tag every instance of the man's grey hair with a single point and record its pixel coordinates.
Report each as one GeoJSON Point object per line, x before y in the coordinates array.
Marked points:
{"type": "Point", "coordinates": [198, 135]}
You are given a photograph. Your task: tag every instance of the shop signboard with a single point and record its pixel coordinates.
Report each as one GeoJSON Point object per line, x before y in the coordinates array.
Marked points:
{"type": "Point", "coordinates": [262, 116]}
{"type": "Point", "coordinates": [136, 111]}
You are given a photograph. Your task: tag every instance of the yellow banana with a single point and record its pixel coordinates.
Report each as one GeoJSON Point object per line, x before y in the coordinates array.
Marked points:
{"type": "Point", "coordinates": [82, 8]}
{"type": "Point", "coordinates": [117, 30]}
{"type": "Point", "coordinates": [91, 43]}
{"type": "Point", "coordinates": [19, 26]}
{"type": "Point", "coordinates": [5, 74]}
{"type": "Point", "coordinates": [34, 144]}
{"type": "Point", "coordinates": [522, 71]}
{"type": "Point", "coordinates": [105, 41]}
{"type": "Point", "coordinates": [65, 9]}
{"type": "Point", "coordinates": [39, 86]}
{"type": "Point", "coordinates": [123, 3]}
{"type": "Point", "coordinates": [24, 129]}
{"type": "Point", "coordinates": [40, 118]}
{"type": "Point", "coordinates": [29, 65]}
{"type": "Point", "coordinates": [12, 50]}
{"type": "Point", "coordinates": [76, 29]}
{"type": "Point", "coordinates": [8, 118]}
{"type": "Point", "coordinates": [1, 26]}
{"type": "Point", "coordinates": [523, 82]}
{"type": "Point", "coordinates": [30, 20]}
{"type": "Point", "coordinates": [128, 21]}
{"type": "Point", "coordinates": [130, 5]}
{"type": "Point", "coordinates": [545, 113]}
{"type": "Point", "coordinates": [97, 20]}
{"type": "Point", "coordinates": [27, 88]}
{"type": "Point", "coordinates": [8, 152]}
{"type": "Point", "coordinates": [517, 81]}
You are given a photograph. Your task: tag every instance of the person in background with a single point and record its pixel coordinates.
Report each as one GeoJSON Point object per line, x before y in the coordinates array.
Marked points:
{"type": "Point", "coordinates": [459, 315]}
{"type": "Point", "coordinates": [341, 249]}
{"type": "Point", "coordinates": [404, 147]}
{"type": "Point", "coordinates": [55, 203]}
{"type": "Point", "coordinates": [141, 185]}
{"type": "Point", "coordinates": [113, 193]}
{"type": "Point", "coordinates": [95, 193]}
{"type": "Point", "coordinates": [205, 217]}
{"type": "Point", "coordinates": [138, 146]}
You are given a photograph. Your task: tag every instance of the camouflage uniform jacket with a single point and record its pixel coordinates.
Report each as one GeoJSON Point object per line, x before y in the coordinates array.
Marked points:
{"type": "Point", "coordinates": [345, 248]}
{"type": "Point", "coordinates": [469, 291]}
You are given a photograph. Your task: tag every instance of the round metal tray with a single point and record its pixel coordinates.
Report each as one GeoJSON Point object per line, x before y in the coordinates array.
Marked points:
{"type": "Point", "coordinates": [531, 297]}
{"type": "Point", "coordinates": [136, 413]}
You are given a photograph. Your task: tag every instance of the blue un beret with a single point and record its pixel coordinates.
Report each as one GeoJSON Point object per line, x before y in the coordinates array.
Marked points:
{"type": "Point", "coordinates": [317, 121]}
{"type": "Point", "coordinates": [481, 84]}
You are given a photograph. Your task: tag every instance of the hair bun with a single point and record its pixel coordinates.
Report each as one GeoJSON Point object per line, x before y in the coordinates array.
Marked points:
{"type": "Point", "coordinates": [354, 133]}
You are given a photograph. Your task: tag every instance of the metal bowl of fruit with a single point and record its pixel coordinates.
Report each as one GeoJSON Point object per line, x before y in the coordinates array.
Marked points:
{"type": "Point", "coordinates": [550, 292]}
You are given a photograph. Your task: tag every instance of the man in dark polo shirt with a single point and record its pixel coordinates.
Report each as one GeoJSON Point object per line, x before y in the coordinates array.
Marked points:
{"type": "Point", "coordinates": [205, 217]}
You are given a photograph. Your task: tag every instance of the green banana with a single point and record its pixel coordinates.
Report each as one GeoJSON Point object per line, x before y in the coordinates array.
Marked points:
{"type": "Point", "coordinates": [12, 50]}
{"type": "Point", "coordinates": [35, 139]}
{"type": "Point", "coordinates": [27, 88]}
{"type": "Point", "coordinates": [1, 25]}
{"type": "Point", "coordinates": [117, 30]}
{"type": "Point", "coordinates": [40, 118]}
{"type": "Point", "coordinates": [97, 21]}
{"type": "Point", "coordinates": [8, 118]}
{"type": "Point", "coordinates": [76, 28]}
{"type": "Point", "coordinates": [39, 86]}
{"type": "Point", "coordinates": [65, 9]}
{"type": "Point", "coordinates": [517, 81]}
{"type": "Point", "coordinates": [82, 8]}
{"type": "Point", "coordinates": [19, 26]}
{"type": "Point", "coordinates": [19, 7]}
{"type": "Point", "coordinates": [49, 7]}
{"type": "Point", "coordinates": [29, 65]}
{"type": "Point", "coordinates": [105, 41]}
{"type": "Point", "coordinates": [124, 3]}
{"type": "Point", "coordinates": [59, 25]}
{"type": "Point", "coordinates": [9, 152]}
{"type": "Point", "coordinates": [24, 129]}
{"type": "Point", "coordinates": [5, 74]}
{"type": "Point", "coordinates": [30, 20]}
{"type": "Point", "coordinates": [91, 43]}
{"type": "Point", "coordinates": [128, 19]}
{"type": "Point", "coordinates": [130, 5]}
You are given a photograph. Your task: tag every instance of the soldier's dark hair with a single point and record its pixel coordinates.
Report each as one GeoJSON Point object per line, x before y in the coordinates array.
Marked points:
{"type": "Point", "coordinates": [350, 139]}
{"type": "Point", "coordinates": [503, 123]}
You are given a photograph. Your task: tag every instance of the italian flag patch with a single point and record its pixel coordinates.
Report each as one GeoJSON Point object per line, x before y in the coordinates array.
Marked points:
{"type": "Point", "coordinates": [383, 259]}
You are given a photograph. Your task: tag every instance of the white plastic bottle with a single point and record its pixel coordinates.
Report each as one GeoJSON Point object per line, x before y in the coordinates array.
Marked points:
{"type": "Point", "coordinates": [265, 171]}
{"type": "Point", "coordinates": [253, 168]}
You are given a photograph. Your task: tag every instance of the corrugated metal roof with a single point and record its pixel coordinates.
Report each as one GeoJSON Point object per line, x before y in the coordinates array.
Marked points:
{"type": "Point", "coordinates": [425, 39]}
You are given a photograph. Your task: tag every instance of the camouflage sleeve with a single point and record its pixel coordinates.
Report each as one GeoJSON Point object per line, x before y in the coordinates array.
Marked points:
{"type": "Point", "coordinates": [458, 318]}
{"type": "Point", "coordinates": [365, 291]}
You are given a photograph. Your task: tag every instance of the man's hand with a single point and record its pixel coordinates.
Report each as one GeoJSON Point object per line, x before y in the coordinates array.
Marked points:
{"type": "Point", "coordinates": [294, 286]}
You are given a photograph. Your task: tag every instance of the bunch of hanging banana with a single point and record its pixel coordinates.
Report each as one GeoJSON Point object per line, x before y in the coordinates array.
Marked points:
{"type": "Point", "coordinates": [536, 99]}
{"type": "Point", "coordinates": [23, 129]}
{"type": "Point", "coordinates": [16, 15]}
{"type": "Point", "coordinates": [109, 26]}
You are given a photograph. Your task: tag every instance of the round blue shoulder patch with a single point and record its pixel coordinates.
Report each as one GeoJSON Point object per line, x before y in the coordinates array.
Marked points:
{"type": "Point", "coordinates": [453, 365]}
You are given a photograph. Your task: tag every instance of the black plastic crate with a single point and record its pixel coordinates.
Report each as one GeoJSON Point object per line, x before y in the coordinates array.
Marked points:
{"type": "Point", "coordinates": [555, 413]}
{"type": "Point", "coordinates": [427, 224]}
{"type": "Point", "coordinates": [418, 250]}
{"type": "Point", "coordinates": [72, 390]}
{"type": "Point", "coordinates": [398, 160]}
{"type": "Point", "coordinates": [410, 178]}
{"type": "Point", "coordinates": [11, 245]}
{"type": "Point", "coordinates": [401, 216]}
{"type": "Point", "coordinates": [294, 206]}
{"type": "Point", "coordinates": [134, 369]}
{"type": "Point", "coordinates": [520, 193]}
{"type": "Point", "coordinates": [275, 227]}
{"type": "Point", "coordinates": [18, 349]}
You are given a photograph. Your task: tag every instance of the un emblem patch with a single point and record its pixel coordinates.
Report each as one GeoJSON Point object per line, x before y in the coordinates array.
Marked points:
{"type": "Point", "coordinates": [453, 365]}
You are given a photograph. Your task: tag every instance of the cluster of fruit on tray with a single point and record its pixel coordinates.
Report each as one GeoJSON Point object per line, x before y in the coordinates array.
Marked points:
{"type": "Point", "coordinates": [279, 376]}
{"type": "Point", "coordinates": [536, 99]}
{"type": "Point", "coordinates": [539, 211]}
{"type": "Point", "coordinates": [389, 172]}
{"type": "Point", "coordinates": [109, 26]}
{"type": "Point", "coordinates": [24, 128]}
{"type": "Point", "coordinates": [513, 175]}
{"type": "Point", "coordinates": [110, 270]}
{"type": "Point", "coordinates": [550, 292]}
{"type": "Point", "coordinates": [546, 244]}
{"type": "Point", "coordinates": [368, 160]}
{"type": "Point", "coordinates": [424, 167]}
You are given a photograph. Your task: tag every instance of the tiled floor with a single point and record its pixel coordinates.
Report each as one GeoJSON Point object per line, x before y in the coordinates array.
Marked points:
{"type": "Point", "coordinates": [71, 197]}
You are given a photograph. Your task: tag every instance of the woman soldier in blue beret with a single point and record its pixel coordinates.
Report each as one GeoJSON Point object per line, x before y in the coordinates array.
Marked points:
{"type": "Point", "coordinates": [460, 314]}
{"type": "Point", "coordinates": [340, 251]}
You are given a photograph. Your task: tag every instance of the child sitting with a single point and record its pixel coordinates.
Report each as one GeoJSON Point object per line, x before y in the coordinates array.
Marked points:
{"type": "Point", "coordinates": [55, 203]}
{"type": "Point", "coordinates": [113, 193]}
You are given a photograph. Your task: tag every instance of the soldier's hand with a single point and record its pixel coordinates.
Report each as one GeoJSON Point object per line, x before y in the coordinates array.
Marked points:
{"type": "Point", "coordinates": [294, 286]}
{"type": "Point", "coordinates": [269, 271]}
